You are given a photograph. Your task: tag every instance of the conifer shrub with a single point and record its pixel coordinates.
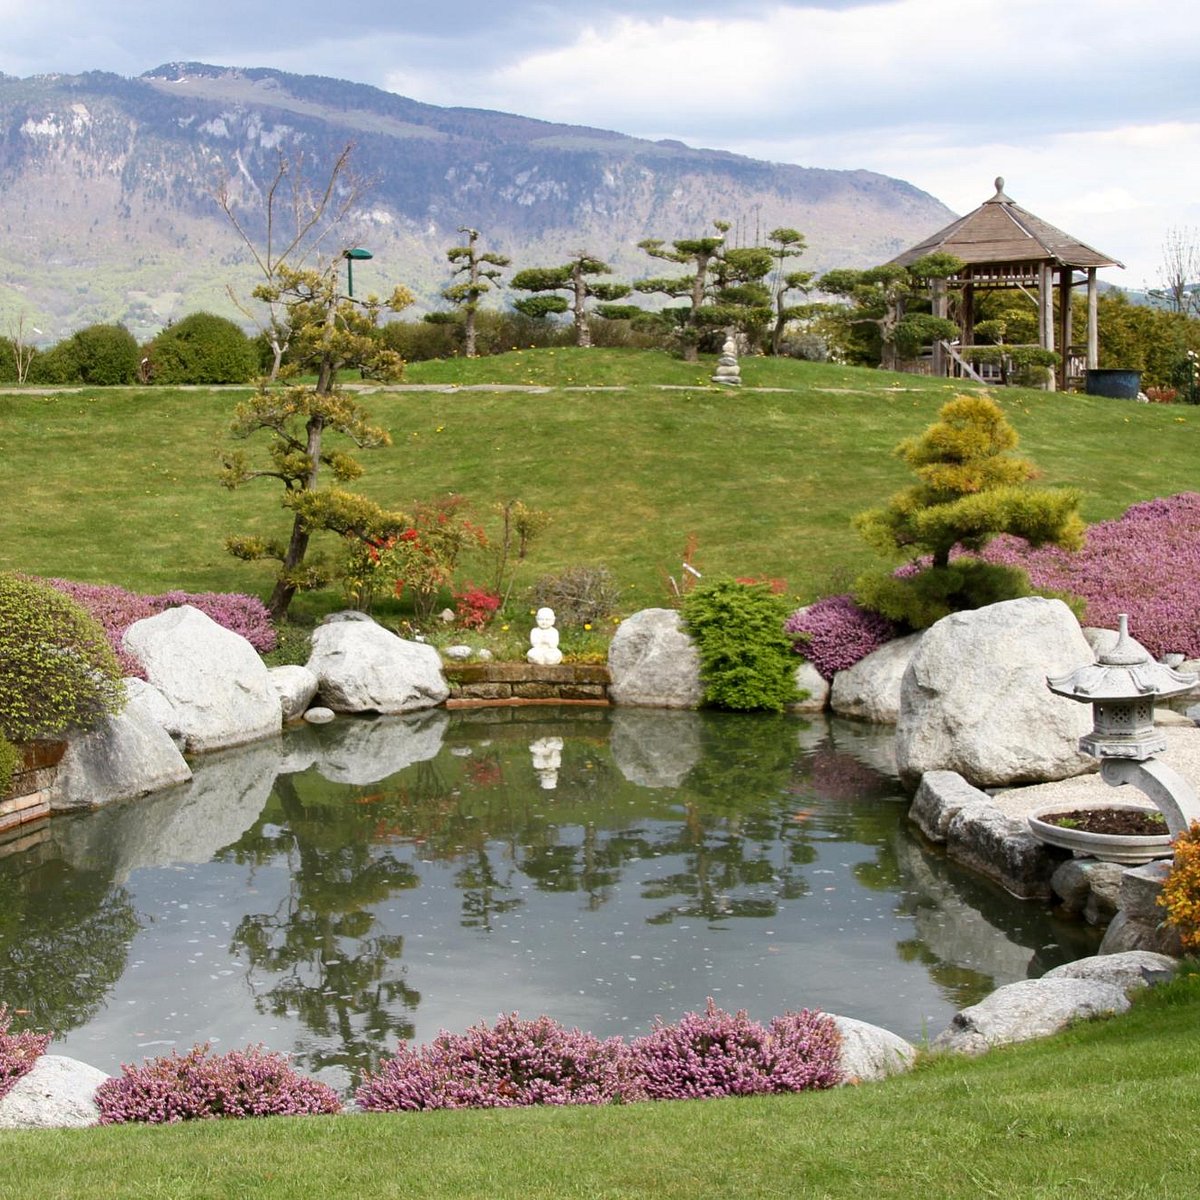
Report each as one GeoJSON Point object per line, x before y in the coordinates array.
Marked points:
{"type": "Point", "coordinates": [199, 1086]}
{"type": "Point", "coordinates": [1180, 895]}
{"type": "Point", "coordinates": [57, 670]}
{"type": "Point", "coordinates": [716, 1053]}
{"type": "Point", "coordinates": [18, 1052]}
{"type": "Point", "coordinates": [835, 633]}
{"type": "Point", "coordinates": [511, 1065]}
{"type": "Point", "coordinates": [746, 660]}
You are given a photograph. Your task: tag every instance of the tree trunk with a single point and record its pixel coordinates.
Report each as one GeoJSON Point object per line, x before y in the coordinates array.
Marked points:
{"type": "Point", "coordinates": [469, 332]}
{"type": "Point", "coordinates": [583, 335]}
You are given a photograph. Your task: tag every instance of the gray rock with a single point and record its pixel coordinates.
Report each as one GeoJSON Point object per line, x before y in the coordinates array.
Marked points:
{"type": "Point", "coordinates": [214, 679]}
{"type": "Point", "coordinates": [974, 698]}
{"type": "Point", "coordinates": [1032, 1008]}
{"type": "Point", "coordinates": [940, 796]}
{"type": "Point", "coordinates": [123, 757]}
{"type": "Point", "coordinates": [1070, 883]}
{"type": "Point", "coordinates": [1002, 848]}
{"type": "Point", "coordinates": [319, 715]}
{"type": "Point", "coordinates": [1130, 971]}
{"type": "Point", "coordinates": [653, 662]}
{"type": "Point", "coordinates": [346, 614]}
{"type": "Point", "coordinates": [57, 1092]}
{"type": "Point", "coordinates": [295, 687]}
{"type": "Point", "coordinates": [1126, 933]}
{"type": "Point", "coordinates": [158, 706]}
{"type": "Point", "coordinates": [870, 690]}
{"type": "Point", "coordinates": [1104, 884]}
{"type": "Point", "coordinates": [870, 1053]}
{"type": "Point", "coordinates": [1141, 888]}
{"type": "Point", "coordinates": [361, 667]}
{"type": "Point", "coordinates": [809, 680]}
{"type": "Point", "coordinates": [459, 653]}
{"type": "Point", "coordinates": [655, 747]}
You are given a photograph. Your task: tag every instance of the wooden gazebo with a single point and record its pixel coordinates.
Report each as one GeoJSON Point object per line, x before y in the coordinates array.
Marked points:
{"type": "Point", "coordinates": [1003, 246]}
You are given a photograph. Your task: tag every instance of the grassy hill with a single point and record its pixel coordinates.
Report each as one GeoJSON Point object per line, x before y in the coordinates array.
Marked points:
{"type": "Point", "coordinates": [630, 452]}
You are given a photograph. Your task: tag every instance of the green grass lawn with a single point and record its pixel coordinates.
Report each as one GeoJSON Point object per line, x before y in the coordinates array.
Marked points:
{"type": "Point", "coordinates": [119, 485]}
{"type": "Point", "coordinates": [1107, 1110]}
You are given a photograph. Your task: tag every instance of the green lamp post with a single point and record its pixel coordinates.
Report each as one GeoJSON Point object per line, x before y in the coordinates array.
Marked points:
{"type": "Point", "coordinates": [350, 255]}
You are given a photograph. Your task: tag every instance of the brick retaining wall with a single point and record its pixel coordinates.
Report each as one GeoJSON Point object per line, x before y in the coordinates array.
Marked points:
{"type": "Point", "coordinates": [26, 800]}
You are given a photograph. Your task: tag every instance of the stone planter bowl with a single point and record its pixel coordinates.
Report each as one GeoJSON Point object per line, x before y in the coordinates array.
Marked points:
{"type": "Point", "coordinates": [1108, 847]}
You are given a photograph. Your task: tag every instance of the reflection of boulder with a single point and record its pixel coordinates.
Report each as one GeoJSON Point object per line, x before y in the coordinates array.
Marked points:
{"type": "Point", "coordinates": [873, 745]}
{"type": "Point", "coordinates": [363, 751]}
{"type": "Point", "coordinates": [655, 747]}
{"type": "Point", "coordinates": [186, 825]}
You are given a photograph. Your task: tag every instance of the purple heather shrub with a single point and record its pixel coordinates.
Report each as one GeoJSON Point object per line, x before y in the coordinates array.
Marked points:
{"type": "Point", "coordinates": [1146, 563]}
{"type": "Point", "coordinates": [716, 1053]}
{"type": "Point", "coordinates": [116, 609]}
{"type": "Point", "coordinates": [834, 633]}
{"type": "Point", "coordinates": [200, 1086]}
{"type": "Point", "coordinates": [18, 1052]}
{"type": "Point", "coordinates": [515, 1064]}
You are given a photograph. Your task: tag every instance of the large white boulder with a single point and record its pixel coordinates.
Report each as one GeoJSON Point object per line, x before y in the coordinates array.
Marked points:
{"type": "Point", "coordinates": [654, 662]}
{"type": "Point", "coordinates": [870, 1053]}
{"type": "Point", "coordinates": [974, 698]}
{"type": "Point", "coordinates": [870, 690]}
{"type": "Point", "coordinates": [296, 686]}
{"type": "Point", "coordinates": [214, 679]}
{"type": "Point", "coordinates": [123, 757]}
{"type": "Point", "coordinates": [1031, 1008]}
{"type": "Point", "coordinates": [813, 686]}
{"type": "Point", "coordinates": [362, 667]}
{"type": "Point", "coordinates": [57, 1092]}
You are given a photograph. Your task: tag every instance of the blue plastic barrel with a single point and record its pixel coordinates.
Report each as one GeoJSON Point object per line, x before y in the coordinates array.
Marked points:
{"type": "Point", "coordinates": [1116, 382]}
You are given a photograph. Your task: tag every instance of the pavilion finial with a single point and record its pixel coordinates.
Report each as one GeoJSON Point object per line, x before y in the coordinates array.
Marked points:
{"type": "Point", "coordinates": [999, 186]}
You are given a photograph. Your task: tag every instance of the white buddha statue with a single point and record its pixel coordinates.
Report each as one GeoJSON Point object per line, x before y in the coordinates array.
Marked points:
{"type": "Point", "coordinates": [543, 640]}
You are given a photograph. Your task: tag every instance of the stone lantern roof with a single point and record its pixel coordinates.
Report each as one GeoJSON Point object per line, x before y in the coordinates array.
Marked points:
{"type": "Point", "coordinates": [1126, 672]}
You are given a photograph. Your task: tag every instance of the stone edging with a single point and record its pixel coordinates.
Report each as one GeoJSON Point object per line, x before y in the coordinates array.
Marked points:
{"type": "Point", "coordinates": [475, 683]}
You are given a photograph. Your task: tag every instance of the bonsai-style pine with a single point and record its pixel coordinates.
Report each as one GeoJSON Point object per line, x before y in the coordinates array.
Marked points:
{"type": "Point", "coordinates": [970, 487]}
{"type": "Point", "coordinates": [574, 277]}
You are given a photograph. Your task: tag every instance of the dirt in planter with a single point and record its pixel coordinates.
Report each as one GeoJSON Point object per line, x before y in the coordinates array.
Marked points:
{"type": "Point", "coordinates": [1126, 822]}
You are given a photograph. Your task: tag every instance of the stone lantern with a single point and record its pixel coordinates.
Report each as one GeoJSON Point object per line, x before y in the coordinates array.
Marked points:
{"type": "Point", "coordinates": [1122, 686]}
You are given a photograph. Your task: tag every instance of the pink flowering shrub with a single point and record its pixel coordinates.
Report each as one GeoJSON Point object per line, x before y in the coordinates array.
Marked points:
{"type": "Point", "coordinates": [116, 609]}
{"type": "Point", "coordinates": [18, 1052]}
{"type": "Point", "coordinates": [199, 1086]}
{"type": "Point", "coordinates": [515, 1064]}
{"type": "Point", "coordinates": [834, 633]}
{"type": "Point", "coordinates": [1146, 563]}
{"type": "Point", "coordinates": [716, 1053]}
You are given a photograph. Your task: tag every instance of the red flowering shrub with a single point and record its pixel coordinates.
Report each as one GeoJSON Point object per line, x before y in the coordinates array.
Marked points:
{"type": "Point", "coordinates": [834, 633]}
{"type": "Point", "coordinates": [200, 1086]}
{"type": "Point", "coordinates": [515, 1064]}
{"type": "Point", "coordinates": [18, 1052]}
{"type": "Point", "coordinates": [1145, 564]}
{"type": "Point", "coordinates": [716, 1053]}
{"type": "Point", "coordinates": [116, 609]}
{"type": "Point", "coordinates": [475, 606]}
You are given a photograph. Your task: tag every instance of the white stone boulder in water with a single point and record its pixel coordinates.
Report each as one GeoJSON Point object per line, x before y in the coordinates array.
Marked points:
{"type": "Point", "coordinates": [56, 1093]}
{"type": "Point", "coordinates": [361, 667]}
{"type": "Point", "coordinates": [295, 686]}
{"type": "Point", "coordinates": [870, 690]}
{"type": "Point", "coordinates": [653, 662]}
{"type": "Point", "coordinates": [974, 697]}
{"type": "Point", "coordinates": [121, 758]}
{"type": "Point", "coordinates": [217, 684]}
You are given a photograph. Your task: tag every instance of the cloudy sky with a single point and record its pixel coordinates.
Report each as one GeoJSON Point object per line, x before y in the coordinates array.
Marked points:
{"type": "Point", "coordinates": [1090, 109]}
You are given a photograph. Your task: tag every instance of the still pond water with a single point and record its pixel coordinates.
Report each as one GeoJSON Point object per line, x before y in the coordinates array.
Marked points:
{"type": "Point", "coordinates": [337, 890]}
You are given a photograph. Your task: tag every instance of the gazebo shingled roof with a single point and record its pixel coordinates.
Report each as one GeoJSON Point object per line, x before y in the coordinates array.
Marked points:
{"type": "Point", "coordinates": [1001, 231]}
{"type": "Point", "coordinates": [1003, 246]}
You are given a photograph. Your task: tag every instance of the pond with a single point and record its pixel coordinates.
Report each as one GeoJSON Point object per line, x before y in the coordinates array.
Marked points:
{"type": "Point", "coordinates": [331, 892]}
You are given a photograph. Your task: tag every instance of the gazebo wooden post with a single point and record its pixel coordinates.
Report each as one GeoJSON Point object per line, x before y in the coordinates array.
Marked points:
{"type": "Point", "coordinates": [1093, 321]}
{"type": "Point", "coordinates": [1046, 310]}
{"type": "Point", "coordinates": [1066, 288]}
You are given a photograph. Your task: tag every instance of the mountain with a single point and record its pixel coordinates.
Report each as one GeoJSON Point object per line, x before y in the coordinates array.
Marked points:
{"type": "Point", "coordinates": [108, 212]}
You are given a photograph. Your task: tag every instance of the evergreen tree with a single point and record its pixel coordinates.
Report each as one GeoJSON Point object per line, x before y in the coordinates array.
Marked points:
{"type": "Point", "coordinates": [480, 272]}
{"type": "Point", "coordinates": [698, 253]}
{"type": "Point", "coordinates": [970, 487]}
{"type": "Point", "coordinates": [575, 278]}
{"type": "Point", "coordinates": [788, 243]}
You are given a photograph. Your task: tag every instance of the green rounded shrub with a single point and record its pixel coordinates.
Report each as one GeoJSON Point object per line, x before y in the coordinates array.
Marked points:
{"type": "Point", "coordinates": [57, 670]}
{"type": "Point", "coordinates": [57, 365]}
{"type": "Point", "coordinates": [107, 355]}
{"type": "Point", "coordinates": [203, 348]}
{"type": "Point", "coordinates": [746, 660]}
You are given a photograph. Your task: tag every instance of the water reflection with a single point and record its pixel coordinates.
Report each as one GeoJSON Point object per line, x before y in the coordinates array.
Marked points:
{"type": "Point", "coordinates": [348, 886]}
